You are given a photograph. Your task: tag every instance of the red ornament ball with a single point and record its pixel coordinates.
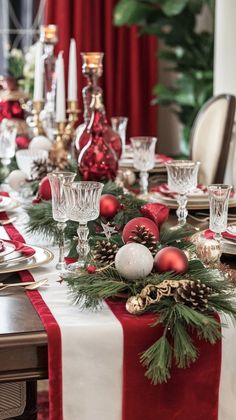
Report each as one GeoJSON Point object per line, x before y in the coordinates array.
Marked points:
{"type": "Point", "coordinates": [44, 191]}
{"type": "Point", "coordinates": [91, 269]}
{"type": "Point", "coordinates": [22, 142]}
{"type": "Point", "coordinates": [171, 259]}
{"type": "Point", "coordinates": [109, 206]}
{"type": "Point", "coordinates": [140, 221]}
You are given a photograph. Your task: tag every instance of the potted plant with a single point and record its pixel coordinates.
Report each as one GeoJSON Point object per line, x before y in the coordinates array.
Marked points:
{"type": "Point", "coordinates": [188, 52]}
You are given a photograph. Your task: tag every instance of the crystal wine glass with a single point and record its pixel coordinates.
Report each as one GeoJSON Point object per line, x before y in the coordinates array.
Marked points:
{"type": "Point", "coordinates": [182, 179]}
{"type": "Point", "coordinates": [219, 200]}
{"type": "Point", "coordinates": [144, 159]}
{"type": "Point", "coordinates": [82, 205]}
{"type": "Point", "coordinates": [57, 179]}
{"type": "Point", "coordinates": [8, 133]}
{"type": "Point", "coordinates": [119, 124]}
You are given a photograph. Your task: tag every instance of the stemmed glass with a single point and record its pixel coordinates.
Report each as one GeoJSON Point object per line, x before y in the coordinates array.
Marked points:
{"type": "Point", "coordinates": [144, 159]}
{"type": "Point", "coordinates": [82, 205]}
{"type": "Point", "coordinates": [182, 179]}
{"type": "Point", "coordinates": [57, 180]}
{"type": "Point", "coordinates": [7, 141]}
{"type": "Point", "coordinates": [119, 124]}
{"type": "Point", "coordinates": [219, 200]}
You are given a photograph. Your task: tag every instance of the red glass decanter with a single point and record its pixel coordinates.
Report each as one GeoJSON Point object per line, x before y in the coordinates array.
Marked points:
{"type": "Point", "coordinates": [97, 158]}
{"type": "Point", "coordinates": [111, 137]}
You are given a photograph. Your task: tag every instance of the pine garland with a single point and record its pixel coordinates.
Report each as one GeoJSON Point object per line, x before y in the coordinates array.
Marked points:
{"type": "Point", "coordinates": [176, 344]}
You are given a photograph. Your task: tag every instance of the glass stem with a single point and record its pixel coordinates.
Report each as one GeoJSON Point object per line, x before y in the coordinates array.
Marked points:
{"type": "Point", "coordinates": [61, 229]}
{"type": "Point", "coordinates": [182, 212]}
{"type": "Point", "coordinates": [83, 245]}
{"type": "Point", "coordinates": [218, 238]}
{"type": "Point", "coordinates": [143, 182]}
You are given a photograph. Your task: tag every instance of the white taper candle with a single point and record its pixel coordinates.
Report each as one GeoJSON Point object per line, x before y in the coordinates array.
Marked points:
{"type": "Point", "coordinates": [60, 95]}
{"type": "Point", "coordinates": [38, 73]}
{"type": "Point", "coordinates": [72, 73]}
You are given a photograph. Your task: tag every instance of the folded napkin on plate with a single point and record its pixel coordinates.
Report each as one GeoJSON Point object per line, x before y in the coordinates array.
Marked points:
{"type": "Point", "coordinates": [24, 249]}
{"type": "Point", "coordinates": [163, 189]}
{"type": "Point", "coordinates": [227, 235]}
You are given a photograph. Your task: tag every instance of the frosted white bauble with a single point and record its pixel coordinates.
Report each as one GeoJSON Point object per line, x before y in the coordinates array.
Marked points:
{"type": "Point", "coordinates": [40, 142]}
{"type": "Point", "coordinates": [16, 179]}
{"type": "Point", "coordinates": [134, 261]}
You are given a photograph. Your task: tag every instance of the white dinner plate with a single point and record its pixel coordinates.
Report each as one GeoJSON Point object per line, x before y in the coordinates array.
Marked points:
{"type": "Point", "coordinates": [11, 204]}
{"type": "Point", "coordinates": [9, 248]}
{"type": "Point", "coordinates": [41, 256]}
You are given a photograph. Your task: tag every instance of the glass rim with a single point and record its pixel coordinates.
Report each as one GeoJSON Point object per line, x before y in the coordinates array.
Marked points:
{"type": "Point", "coordinates": [189, 163]}
{"type": "Point", "coordinates": [219, 187]}
{"type": "Point", "coordinates": [86, 185]}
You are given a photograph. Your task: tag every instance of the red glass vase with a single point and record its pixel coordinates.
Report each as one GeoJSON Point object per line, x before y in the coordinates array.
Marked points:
{"type": "Point", "coordinates": [98, 160]}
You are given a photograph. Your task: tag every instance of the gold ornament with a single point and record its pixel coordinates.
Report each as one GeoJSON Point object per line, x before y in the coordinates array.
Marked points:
{"type": "Point", "coordinates": [208, 250]}
{"type": "Point", "coordinates": [135, 305]}
{"type": "Point", "coordinates": [152, 293]}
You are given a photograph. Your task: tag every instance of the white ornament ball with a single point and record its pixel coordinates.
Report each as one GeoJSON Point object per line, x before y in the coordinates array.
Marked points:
{"type": "Point", "coordinates": [40, 143]}
{"type": "Point", "coordinates": [16, 179]}
{"type": "Point", "coordinates": [134, 261]}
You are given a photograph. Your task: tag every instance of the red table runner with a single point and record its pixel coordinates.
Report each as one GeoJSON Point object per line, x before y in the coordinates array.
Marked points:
{"type": "Point", "coordinates": [190, 394]}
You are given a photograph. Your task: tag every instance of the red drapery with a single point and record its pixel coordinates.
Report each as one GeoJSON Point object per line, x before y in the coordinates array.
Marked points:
{"type": "Point", "coordinates": [130, 64]}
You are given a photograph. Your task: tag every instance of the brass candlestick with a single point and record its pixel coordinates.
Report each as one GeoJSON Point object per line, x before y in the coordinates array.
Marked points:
{"type": "Point", "coordinates": [34, 121]}
{"type": "Point", "coordinates": [72, 112]}
{"type": "Point", "coordinates": [58, 154]}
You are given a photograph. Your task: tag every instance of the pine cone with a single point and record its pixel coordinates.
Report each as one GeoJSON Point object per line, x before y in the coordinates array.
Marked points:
{"type": "Point", "coordinates": [194, 294]}
{"type": "Point", "coordinates": [143, 236]}
{"type": "Point", "coordinates": [105, 251]}
{"type": "Point", "coordinates": [39, 169]}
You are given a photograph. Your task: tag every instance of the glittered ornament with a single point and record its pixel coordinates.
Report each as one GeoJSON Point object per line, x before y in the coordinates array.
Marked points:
{"type": "Point", "coordinates": [208, 250]}
{"type": "Point", "coordinates": [109, 206]}
{"type": "Point", "coordinates": [157, 212]}
{"type": "Point", "coordinates": [171, 259]}
{"type": "Point", "coordinates": [44, 190]}
{"type": "Point", "coordinates": [134, 261]}
{"type": "Point", "coordinates": [17, 179]}
{"type": "Point", "coordinates": [132, 225]}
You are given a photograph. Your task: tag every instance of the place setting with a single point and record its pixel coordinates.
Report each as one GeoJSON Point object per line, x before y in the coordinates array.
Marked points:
{"type": "Point", "coordinates": [17, 256]}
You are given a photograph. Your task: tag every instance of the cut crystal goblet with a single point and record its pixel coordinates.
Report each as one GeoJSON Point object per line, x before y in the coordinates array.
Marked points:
{"type": "Point", "coordinates": [57, 180]}
{"type": "Point", "coordinates": [144, 159]}
{"type": "Point", "coordinates": [182, 179]}
{"type": "Point", "coordinates": [82, 205]}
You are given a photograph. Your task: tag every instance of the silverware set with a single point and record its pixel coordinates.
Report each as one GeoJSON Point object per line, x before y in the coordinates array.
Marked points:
{"type": "Point", "coordinates": [204, 217]}
{"type": "Point", "coordinates": [31, 285]}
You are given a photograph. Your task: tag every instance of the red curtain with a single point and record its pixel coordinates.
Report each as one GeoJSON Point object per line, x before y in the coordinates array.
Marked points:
{"type": "Point", "coordinates": [130, 63]}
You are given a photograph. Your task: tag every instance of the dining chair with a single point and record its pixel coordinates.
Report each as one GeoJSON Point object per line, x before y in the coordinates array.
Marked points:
{"type": "Point", "coordinates": [211, 136]}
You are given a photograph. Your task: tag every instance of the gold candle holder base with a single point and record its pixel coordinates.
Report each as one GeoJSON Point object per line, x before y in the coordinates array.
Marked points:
{"type": "Point", "coordinates": [72, 112]}
{"type": "Point", "coordinates": [58, 154]}
{"type": "Point", "coordinates": [34, 121]}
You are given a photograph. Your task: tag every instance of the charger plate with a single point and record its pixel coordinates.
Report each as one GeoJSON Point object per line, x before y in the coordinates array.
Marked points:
{"type": "Point", "coordinates": [41, 256]}
{"type": "Point", "coordinates": [192, 204]}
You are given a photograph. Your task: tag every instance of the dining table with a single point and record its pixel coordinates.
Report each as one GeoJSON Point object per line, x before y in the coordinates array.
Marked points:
{"type": "Point", "coordinates": [24, 339]}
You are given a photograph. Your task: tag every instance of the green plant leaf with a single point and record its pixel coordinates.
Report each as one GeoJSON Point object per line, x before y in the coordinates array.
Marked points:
{"type": "Point", "coordinates": [172, 8]}
{"type": "Point", "coordinates": [129, 12]}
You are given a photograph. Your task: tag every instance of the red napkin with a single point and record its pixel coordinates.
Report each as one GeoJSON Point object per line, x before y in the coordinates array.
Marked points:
{"type": "Point", "coordinates": [163, 189]}
{"type": "Point", "coordinates": [227, 235]}
{"type": "Point", "coordinates": [25, 250]}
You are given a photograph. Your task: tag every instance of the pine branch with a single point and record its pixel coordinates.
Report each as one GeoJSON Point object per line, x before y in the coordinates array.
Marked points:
{"type": "Point", "coordinates": [169, 236]}
{"type": "Point", "coordinates": [157, 359]}
{"type": "Point", "coordinates": [184, 350]}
